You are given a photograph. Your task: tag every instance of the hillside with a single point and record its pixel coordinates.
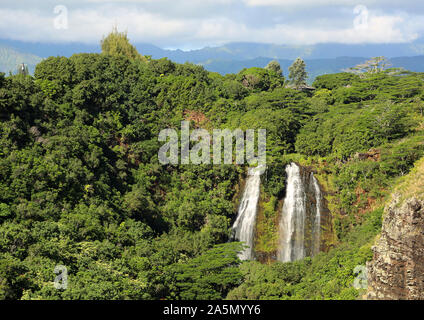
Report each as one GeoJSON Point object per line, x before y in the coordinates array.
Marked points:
{"type": "Point", "coordinates": [239, 51]}
{"type": "Point", "coordinates": [315, 67]}
{"type": "Point", "coordinates": [10, 59]}
{"type": "Point", "coordinates": [82, 185]}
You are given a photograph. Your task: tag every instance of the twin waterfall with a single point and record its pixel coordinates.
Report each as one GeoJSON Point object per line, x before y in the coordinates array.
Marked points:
{"type": "Point", "coordinates": [244, 227]}
{"type": "Point", "coordinates": [300, 219]}
{"type": "Point", "coordinates": [300, 222]}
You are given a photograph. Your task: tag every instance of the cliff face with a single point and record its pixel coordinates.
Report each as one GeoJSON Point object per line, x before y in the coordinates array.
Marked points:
{"type": "Point", "coordinates": [397, 268]}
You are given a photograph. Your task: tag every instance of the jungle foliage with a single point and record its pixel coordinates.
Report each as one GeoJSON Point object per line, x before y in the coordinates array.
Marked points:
{"type": "Point", "coordinates": [81, 185]}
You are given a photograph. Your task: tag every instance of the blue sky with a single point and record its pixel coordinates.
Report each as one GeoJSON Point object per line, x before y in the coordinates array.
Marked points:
{"type": "Point", "coordinates": [191, 24]}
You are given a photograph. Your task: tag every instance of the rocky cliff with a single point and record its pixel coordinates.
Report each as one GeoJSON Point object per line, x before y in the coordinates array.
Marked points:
{"type": "Point", "coordinates": [397, 268]}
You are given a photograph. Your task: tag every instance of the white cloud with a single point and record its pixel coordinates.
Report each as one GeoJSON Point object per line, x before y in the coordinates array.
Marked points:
{"type": "Point", "coordinates": [89, 25]}
{"type": "Point", "coordinates": [90, 22]}
{"type": "Point", "coordinates": [380, 29]}
{"type": "Point", "coordinates": [301, 3]}
{"type": "Point", "coordinates": [321, 3]}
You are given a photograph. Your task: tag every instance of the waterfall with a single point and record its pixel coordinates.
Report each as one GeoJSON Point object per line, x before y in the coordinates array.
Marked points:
{"type": "Point", "coordinates": [317, 222]}
{"type": "Point", "coordinates": [300, 223]}
{"type": "Point", "coordinates": [244, 227]}
{"type": "Point", "coordinates": [293, 217]}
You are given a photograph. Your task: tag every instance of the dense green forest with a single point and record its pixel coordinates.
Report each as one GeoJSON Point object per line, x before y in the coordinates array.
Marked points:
{"type": "Point", "coordinates": [81, 185]}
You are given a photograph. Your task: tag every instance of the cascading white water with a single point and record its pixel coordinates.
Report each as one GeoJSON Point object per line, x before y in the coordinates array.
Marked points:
{"type": "Point", "coordinates": [317, 222]}
{"type": "Point", "coordinates": [300, 223]}
{"type": "Point", "coordinates": [244, 227]}
{"type": "Point", "coordinates": [293, 218]}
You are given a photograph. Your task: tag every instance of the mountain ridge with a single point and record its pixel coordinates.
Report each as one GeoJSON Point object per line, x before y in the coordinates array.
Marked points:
{"type": "Point", "coordinates": [235, 56]}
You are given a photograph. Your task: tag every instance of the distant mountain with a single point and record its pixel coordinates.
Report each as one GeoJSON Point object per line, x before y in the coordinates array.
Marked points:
{"type": "Point", "coordinates": [415, 64]}
{"type": "Point", "coordinates": [234, 50]}
{"type": "Point", "coordinates": [45, 50]}
{"type": "Point", "coordinates": [320, 58]}
{"type": "Point", "coordinates": [249, 51]}
{"type": "Point", "coordinates": [10, 59]}
{"type": "Point", "coordinates": [232, 57]}
{"type": "Point", "coordinates": [314, 67]}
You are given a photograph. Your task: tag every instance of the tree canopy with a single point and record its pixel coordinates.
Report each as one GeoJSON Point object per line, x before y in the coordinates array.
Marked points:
{"type": "Point", "coordinates": [297, 73]}
{"type": "Point", "coordinates": [117, 43]}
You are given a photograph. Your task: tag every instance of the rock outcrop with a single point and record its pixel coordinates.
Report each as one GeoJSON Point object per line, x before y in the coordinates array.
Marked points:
{"type": "Point", "coordinates": [397, 268]}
